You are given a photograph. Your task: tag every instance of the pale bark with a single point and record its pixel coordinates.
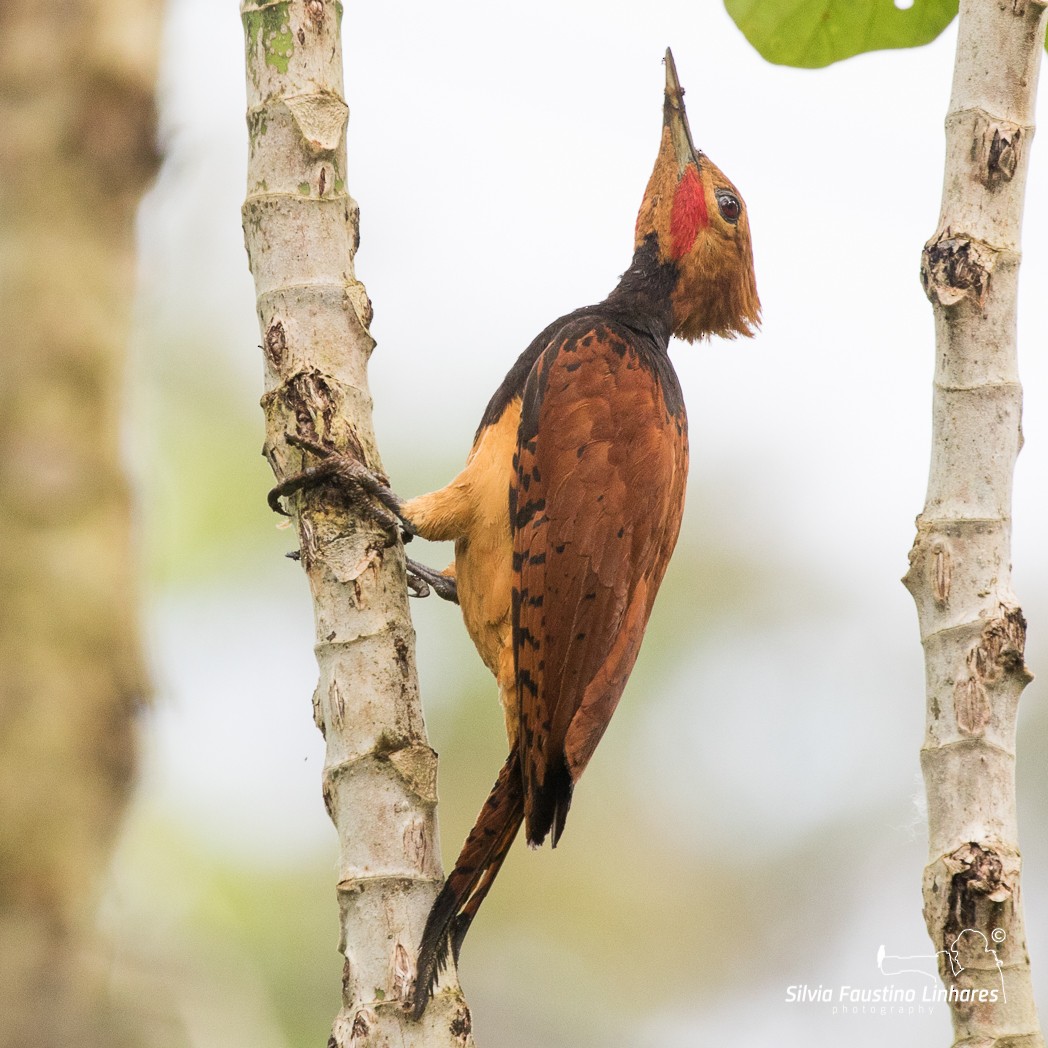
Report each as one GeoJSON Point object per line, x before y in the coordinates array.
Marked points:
{"type": "Point", "coordinates": [960, 567]}
{"type": "Point", "coordinates": [379, 779]}
{"type": "Point", "coordinates": [78, 131]}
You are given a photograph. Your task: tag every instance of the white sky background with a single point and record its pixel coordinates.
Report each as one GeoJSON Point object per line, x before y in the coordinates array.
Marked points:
{"type": "Point", "coordinates": [499, 159]}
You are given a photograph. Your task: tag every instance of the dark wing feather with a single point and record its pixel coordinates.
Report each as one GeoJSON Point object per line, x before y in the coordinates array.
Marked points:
{"type": "Point", "coordinates": [596, 505]}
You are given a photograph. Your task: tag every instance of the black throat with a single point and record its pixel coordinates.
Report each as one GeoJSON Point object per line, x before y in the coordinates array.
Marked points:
{"type": "Point", "coordinates": [641, 300]}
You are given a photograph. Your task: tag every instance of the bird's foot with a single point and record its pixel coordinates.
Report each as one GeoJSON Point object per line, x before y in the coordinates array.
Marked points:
{"type": "Point", "coordinates": [422, 579]}
{"type": "Point", "coordinates": [366, 492]}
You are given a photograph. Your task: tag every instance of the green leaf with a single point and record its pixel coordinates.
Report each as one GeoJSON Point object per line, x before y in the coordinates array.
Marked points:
{"type": "Point", "coordinates": [813, 33]}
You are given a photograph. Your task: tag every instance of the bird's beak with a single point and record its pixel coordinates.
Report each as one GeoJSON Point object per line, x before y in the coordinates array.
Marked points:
{"type": "Point", "coordinates": [675, 118]}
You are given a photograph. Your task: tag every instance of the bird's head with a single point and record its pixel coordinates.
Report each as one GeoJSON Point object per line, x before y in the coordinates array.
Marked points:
{"type": "Point", "coordinates": [701, 227]}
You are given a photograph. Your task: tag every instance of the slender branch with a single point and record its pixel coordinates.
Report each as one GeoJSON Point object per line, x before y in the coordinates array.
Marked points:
{"type": "Point", "coordinates": [380, 773]}
{"type": "Point", "coordinates": [972, 628]}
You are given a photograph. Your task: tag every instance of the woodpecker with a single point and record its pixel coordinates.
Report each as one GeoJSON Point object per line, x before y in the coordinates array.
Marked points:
{"type": "Point", "coordinates": [569, 506]}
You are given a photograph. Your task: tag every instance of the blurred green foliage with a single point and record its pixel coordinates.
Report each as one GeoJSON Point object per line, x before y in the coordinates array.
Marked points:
{"type": "Point", "coordinates": [198, 465]}
{"type": "Point", "coordinates": [232, 944]}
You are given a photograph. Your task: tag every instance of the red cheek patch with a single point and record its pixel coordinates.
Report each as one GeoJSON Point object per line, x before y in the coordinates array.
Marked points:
{"type": "Point", "coordinates": [689, 215]}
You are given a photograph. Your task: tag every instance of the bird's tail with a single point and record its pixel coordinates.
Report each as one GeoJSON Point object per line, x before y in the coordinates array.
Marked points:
{"type": "Point", "coordinates": [470, 881]}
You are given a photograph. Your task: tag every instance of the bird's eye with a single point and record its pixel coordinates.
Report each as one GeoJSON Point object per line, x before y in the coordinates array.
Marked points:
{"type": "Point", "coordinates": [729, 206]}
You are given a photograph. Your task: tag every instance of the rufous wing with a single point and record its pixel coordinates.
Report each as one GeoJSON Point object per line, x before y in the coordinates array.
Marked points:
{"type": "Point", "coordinates": [595, 509]}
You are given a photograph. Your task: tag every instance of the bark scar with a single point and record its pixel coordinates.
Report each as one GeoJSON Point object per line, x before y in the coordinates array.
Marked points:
{"type": "Point", "coordinates": [417, 767]}
{"type": "Point", "coordinates": [416, 844]}
{"type": "Point", "coordinates": [461, 1026]}
{"type": "Point", "coordinates": [955, 268]}
{"type": "Point", "coordinates": [1000, 148]}
{"type": "Point", "coordinates": [308, 396]}
{"type": "Point", "coordinates": [977, 873]}
{"type": "Point", "coordinates": [361, 1029]}
{"type": "Point", "coordinates": [998, 654]}
{"type": "Point", "coordinates": [402, 972]}
{"type": "Point", "coordinates": [321, 119]}
{"type": "Point", "coordinates": [943, 576]}
{"type": "Point", "coordinates": [275, 344]}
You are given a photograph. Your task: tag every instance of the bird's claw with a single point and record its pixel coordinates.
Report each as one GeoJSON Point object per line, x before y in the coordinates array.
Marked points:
{"type": "Point", "coordinates": [366, 491]}
{"type": "Point", "coordinates": [421, 579]}
{"type": "Point", "coordinates": [418, 586]}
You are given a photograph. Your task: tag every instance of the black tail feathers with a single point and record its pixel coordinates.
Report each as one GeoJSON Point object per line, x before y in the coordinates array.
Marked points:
{"type": "Point", "coordinates": [470, 881]}
{"type": "Point", "coordinates": [549, 808]}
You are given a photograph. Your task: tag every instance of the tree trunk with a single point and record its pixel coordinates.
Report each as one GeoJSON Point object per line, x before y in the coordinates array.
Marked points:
{"type": "Point", "coordinates": [960, 567]}
{"type": "Point", "coordinates": [379, 777]}
{"type": "Point", "coordinates": [78, 127]}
